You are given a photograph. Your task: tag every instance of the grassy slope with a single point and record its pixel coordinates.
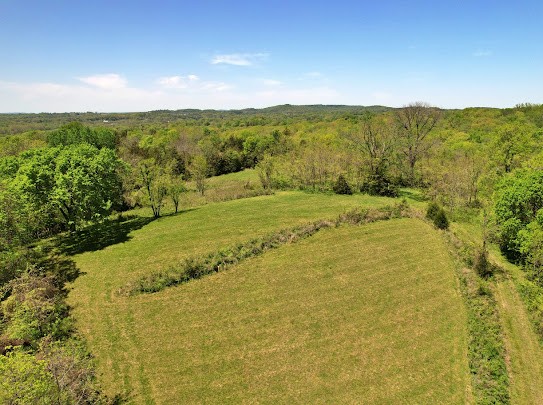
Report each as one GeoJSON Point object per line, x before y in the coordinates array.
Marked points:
{"type": "Point", "coordinates": [524, 348]}
{"type": "Point", "coordinates": [524, 351]}
{"type": "Point", "coordinates": [321, 328]}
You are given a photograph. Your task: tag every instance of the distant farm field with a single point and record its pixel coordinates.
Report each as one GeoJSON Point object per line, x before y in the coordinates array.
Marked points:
{"type": "Point", "coordinates": [366, 313]}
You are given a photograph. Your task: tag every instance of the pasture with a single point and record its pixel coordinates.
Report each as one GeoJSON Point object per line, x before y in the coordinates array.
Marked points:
{"type": "Point", "coordinates": [366, 313]}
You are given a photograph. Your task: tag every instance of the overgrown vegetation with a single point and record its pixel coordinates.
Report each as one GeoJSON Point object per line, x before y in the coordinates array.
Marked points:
{"type": "Point", "coordinates": [42, 360]}
{"type": "Point", "coordinates": [486, 350]}
{"type": "Point", "coordinates": [519, 217]}
{"type": "Point", "coordinates": [437, 215]}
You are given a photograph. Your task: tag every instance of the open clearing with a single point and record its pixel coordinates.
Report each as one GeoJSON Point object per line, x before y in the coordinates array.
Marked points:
{"type": "Point", "coordinates": [357, 314]}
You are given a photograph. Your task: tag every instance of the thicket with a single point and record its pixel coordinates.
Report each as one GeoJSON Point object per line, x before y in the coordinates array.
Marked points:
{"type": "Point", "coordinates": [76, 133]}
{"type": "Point", "coordinates": [437, 215]}
{"type": "Point", "coordinates": [41, 358]}
{"type": "Point", "coordinates": [42, 192]}
{"type": "Point", "coordinates": [380, 184]}
{"type": "Point", "coordinates": [519, 217]}
{"type": "Point", "coordinates": [486, 348]}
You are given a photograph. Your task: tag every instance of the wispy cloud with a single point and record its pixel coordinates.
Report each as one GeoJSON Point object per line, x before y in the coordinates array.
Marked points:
{"type": "Point", "coordinates": [271, 83]}
{"type": "Point", "coordinates": [191, 83]}
{"type": "Point", "coordinates": [239, 59]}
{"type": "Point", "coordinates": [313, 75]}
{"type": "Point", "coordinates": [177, 82]}
{"type": "Point", "coordinates": [200, 93]}
{"type": "Point", "coordinates": [110, 81]}
{"type": "Point", "coordinates": [482, 53]}
{"type": "Point", "coordinates": [216, 86]}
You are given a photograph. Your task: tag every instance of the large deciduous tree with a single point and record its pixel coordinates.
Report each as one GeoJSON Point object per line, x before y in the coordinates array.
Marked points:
{"type": "Point", "coordinates": [512, 140]}
{"type": "Point", "coordinates": [415, 122]}
{"type": "Point", "coordinates": [80, 181]}
{"type": "Point", "coordinates": [379, 146]}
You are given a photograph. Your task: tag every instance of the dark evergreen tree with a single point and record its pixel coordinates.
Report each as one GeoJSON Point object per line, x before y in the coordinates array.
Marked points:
{"type": "Point", "coordinates": [341, 186]}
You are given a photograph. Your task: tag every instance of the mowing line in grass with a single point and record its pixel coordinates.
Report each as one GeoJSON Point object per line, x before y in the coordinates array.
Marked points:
{"type": "Point", "coordinates": [310, 323]}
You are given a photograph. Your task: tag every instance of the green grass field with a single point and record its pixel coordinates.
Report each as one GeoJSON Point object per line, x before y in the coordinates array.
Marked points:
{"type": "Point", "coordinates": [356, 314]}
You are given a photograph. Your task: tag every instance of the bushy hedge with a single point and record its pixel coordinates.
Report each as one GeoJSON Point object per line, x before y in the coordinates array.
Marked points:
{"type": "Point", "coordinates": [438, 216]}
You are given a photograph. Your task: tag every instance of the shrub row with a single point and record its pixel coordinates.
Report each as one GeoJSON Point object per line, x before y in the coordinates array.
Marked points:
{"type": "Point", "coordinates": [486, 348]}
{"type": "Point", "coordinates": [197, 267]}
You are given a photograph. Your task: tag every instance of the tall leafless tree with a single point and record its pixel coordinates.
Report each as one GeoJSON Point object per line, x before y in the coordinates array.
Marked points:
{"type": "Point", "coordinates": [415, 122]}
{"type": "Point", "coordinates": [378, 142]}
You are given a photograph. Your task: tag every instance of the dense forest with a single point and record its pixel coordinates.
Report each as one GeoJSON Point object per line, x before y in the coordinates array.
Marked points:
{"type": "Point", "coordinates": [63, 173]}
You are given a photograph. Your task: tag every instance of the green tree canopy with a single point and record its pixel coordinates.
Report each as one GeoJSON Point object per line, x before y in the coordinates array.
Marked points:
{"type": "Point", "coordinates": [76, 133]}
{"type": "Point", "coordinates": [518, 203]}
{"type": "Point", "coordinates": [80, 181]}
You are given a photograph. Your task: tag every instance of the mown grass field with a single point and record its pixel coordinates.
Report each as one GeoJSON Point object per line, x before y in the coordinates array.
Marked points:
{"type": "Point", "coordinates": [355, 314]}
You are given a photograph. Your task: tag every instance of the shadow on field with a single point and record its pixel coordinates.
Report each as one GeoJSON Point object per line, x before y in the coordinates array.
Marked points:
{"type": "Point", "coordinates": [180, 212]}
{"type": "Point", "coordinates": [62, 268]}
{"type": "Point", "coordinates": [101, 235]}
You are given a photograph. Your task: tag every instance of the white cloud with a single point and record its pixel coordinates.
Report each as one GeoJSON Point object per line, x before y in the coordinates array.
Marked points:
{"type": "Point", "coordinates": [313, 75]}
{"type": "Point", "coordinates": [217, 86]}
{"type": "Point", "coordinates": [177, 82]}
{"type": "Point", "coordinates": [271, 83]}
{"type": "Point", "coordinates": [191, 83]}
{"type": "Point", "coordinates": [110, 81]}
{"type": "Point", "coordinates": [57, 97]}
{"type": "Point", "coordinates": [482, 53]}
{"type": "Point", "coordinates": [239, 59]}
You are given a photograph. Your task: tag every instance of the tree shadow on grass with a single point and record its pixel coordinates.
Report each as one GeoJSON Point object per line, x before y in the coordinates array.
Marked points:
{"type": "Point", "coordinates": [180, 212]}
{"type": "Point", "coordinates": [106, 233]}
{"type": "Point", "coordinates": [62, 268]}
{"type": "Point", "coordinates": [100, 235]}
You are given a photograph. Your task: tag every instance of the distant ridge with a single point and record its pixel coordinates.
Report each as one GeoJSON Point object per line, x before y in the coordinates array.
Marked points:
{"type": "Point", "coordinates": [12, 123]}
{"type": "Point", "coordinates": [282, 108]}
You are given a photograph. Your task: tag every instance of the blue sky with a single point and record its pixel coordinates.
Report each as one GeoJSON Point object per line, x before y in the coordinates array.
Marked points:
{"type": "Point", "coordinates": [111, 55]}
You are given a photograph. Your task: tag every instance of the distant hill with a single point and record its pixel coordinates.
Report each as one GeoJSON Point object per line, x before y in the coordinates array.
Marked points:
{"type": "Point", "coordinates": [14, 123]}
